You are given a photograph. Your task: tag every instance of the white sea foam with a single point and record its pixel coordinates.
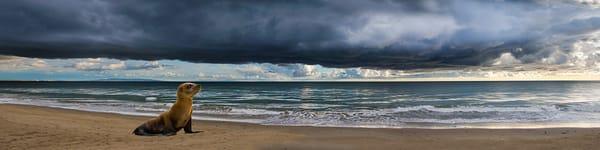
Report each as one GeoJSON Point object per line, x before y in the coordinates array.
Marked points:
{"type": "Point", "coordinates": [583, 107]}
{"type": "Point", "coordinates": [144, 109]}
{"type": "Point", "coordinates": [151, 98]}
{"type": "Point", "coordinates": [237, 111]}
{"type": "Point", "coordinates": [478, 109]}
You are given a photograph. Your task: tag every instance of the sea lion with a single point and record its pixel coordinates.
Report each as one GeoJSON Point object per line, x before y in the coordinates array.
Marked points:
{"type": "Point", "coordinates": [179, 115]}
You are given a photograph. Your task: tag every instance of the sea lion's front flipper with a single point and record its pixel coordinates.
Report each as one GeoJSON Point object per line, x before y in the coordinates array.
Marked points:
{"type": "Point", "coordinates": [188, 126]}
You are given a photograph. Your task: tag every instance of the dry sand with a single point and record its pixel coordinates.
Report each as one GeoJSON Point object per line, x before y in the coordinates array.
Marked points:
{"type": "Point", "coordinates": [31, 127]}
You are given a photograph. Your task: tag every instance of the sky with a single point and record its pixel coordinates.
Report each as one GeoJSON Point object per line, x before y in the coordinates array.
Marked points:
{"type": "Point", "coordinates": [357, 40]}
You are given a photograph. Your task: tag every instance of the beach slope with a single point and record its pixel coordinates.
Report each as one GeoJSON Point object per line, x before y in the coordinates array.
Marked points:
{"type": "Point", "coordinates": [32, 127]}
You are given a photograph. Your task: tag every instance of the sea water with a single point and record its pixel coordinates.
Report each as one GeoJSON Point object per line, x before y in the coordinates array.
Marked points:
{"type": "Point", "coordinates": [342, 104]}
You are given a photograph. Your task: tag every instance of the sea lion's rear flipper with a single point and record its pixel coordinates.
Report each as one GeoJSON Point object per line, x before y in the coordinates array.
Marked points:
{"type": "Point", "coordinates": [148, 130]}
{"type": "Point", "coordinates": [188, 127]}
{"type": "Point", "coordinates": [141, 130]}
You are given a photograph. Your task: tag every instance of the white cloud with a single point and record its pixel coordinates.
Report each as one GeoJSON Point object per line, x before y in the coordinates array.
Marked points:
{"type": "Point", "coordinates": [13, 63]}
{"type": "Point", "coordinates": [585, 53]}
{"type": "Point", "coordinates": [591, 3]}
{"type": "Point", "coordinates": [88, 64]}
{"type": "Point", "coordinates": [115, 66]}
{"type": "Point", "coordinates": [506, 59]}
{"type": "Point", "coordinates": [99, 64]}
{"type": "Point", "coordinates": [579, 62]}
{"type": "Point", "coordinates": [39, 63]}
{"type": "Point", "coordinates": [302, 70]}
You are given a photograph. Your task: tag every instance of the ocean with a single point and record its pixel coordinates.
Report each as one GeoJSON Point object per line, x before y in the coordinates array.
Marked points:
{"type": "Point", "coordinates": [336, 104]}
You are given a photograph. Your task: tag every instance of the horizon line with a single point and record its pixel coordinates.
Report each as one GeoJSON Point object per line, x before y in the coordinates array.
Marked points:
{"type": "Point", "coordinates": [283, 81]}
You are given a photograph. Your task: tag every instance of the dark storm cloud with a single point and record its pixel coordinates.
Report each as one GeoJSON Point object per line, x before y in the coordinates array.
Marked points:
{"type": "Point", "coordinates": [344, 33]}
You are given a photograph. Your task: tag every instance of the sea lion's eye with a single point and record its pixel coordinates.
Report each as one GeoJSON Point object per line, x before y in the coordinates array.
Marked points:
{"type": "Point", "coordinates": [189, 86]}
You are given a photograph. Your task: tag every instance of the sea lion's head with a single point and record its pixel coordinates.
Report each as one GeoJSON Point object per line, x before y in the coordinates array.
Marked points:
{"type": "Point", "coordinates": [188, 90]}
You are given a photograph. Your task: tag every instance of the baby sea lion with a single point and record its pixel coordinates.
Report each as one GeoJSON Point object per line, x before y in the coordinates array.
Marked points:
{"type": "Point", "coordinates": [179, 115]}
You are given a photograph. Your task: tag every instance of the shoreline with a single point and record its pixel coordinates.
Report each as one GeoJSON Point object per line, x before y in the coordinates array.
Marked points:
{"type": "Point", "coordinates": [38, 127]}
